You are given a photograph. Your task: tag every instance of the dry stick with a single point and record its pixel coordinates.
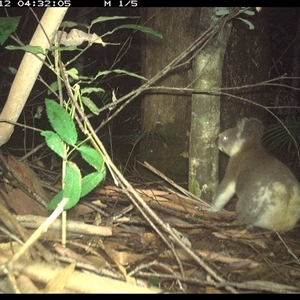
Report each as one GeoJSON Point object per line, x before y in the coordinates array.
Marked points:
{"type": "Point", "coordinates": [11, 235]}
{"type": "Point", "coordinates": [181, 189]}
{"type": "Point", "coordinates": [11, 222]}
{"type": "Point", "coordinates": [288, 248]}
{"type": "Point", "coordinates": [32, 151]}
{"type": "Point", "coordinates": [254, 285]}
{"type": "Point", "coordinates": [189, 91]}
{"type": "Point", "coordinates": [34, 237]}
{"type": "Point", "coordinates": [78, 282]}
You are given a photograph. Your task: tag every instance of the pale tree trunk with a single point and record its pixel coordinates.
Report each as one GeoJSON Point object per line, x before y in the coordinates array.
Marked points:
{"type": "Point", "coordinates": [205, 111]}
{"type": "Point", "coordinates": [29, 70]}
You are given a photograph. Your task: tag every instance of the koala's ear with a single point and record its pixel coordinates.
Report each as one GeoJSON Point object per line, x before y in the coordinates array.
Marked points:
{"type": "Point", "coordinates": [247, 128]}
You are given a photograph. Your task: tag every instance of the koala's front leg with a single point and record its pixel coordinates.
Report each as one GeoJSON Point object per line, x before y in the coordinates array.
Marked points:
{"type": "Point", "coordinates": [225, 192]}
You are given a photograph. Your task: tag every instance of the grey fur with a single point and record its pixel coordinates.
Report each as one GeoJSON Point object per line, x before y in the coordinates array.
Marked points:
{"type": "Point", "coordinates": [268, 193]}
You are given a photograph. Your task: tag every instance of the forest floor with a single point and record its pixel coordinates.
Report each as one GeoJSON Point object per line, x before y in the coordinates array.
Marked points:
{"type": "Point", "coordinates": [114, 245]}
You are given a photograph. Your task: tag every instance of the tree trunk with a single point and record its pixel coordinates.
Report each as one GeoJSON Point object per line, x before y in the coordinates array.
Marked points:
{"type": "Point", "coordinates": [166, 117]}
{"type": "Point", "coordinates": [205, 117]}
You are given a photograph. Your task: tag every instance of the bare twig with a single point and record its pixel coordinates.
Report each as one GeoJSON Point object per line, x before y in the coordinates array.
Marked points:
{"type": "Point", "coordinates": [34, 237]}
{"type": "Point", "coordinates": [288, 248]}
{"type": "Point", "coordinates": [171, 182]}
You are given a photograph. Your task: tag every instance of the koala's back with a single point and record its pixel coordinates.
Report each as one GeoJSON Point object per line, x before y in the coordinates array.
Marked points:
{"type": "Point", "coordinates": [268, 193]}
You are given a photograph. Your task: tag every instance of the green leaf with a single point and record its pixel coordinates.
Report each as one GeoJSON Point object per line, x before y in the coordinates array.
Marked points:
{"type": "Point", "coordinates": [222, 12]}
{"type": "Point", "coordinates": [65, 48]}
{"type": "Point", "coordinates": [54, 142]}
{"type": "Point", "coordinates": [54, 88]}
{"type": "Point", "coordinates": [251, 26]}
{"type": "Point", "coordinates": [28, 48]}
{"type": "Point", "coordinates": [13, 70]}
{"type": "Point", "coordinates": [140, 28]}
{"type": "Point", "coordinates": [92, 157]}
{"type": "Point", "coordinates": [90, 181]}
{"type": "Point", "coordinates": [7, 26]}
{"type": "Point", "coordinates": [72, 188]}
{"type": "Point", "coordinates": [9, 71]}
{"type": "Point", "coordinates": [61, 122]}
{"type": "Point", "coordinates": [91, 105]}
{"type": "Point", "coordinates": [89, 90]}
{"type": "Point", "coordinates": [103, 19]}
{"type": "Point", "coordinates": [154, 281]}
{"type": "Point", "coordinates": [55, 201]}
{"type": "Point", "coordinates": [73, 73]}
{"type": "Point", "coordinates": [118, 71]}
{"type": "Point", "coordinates": [73, 183]}
{"type": "Point", "coordinates": [276, 137]}
{"type": "Point", "coordinates": [248, 12]}
{"type": "Point", "coordinates": [71, 24]}
{"type": "Point", "coordinates": [105, 97]}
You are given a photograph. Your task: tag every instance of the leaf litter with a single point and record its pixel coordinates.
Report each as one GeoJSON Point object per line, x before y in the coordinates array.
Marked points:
{"type": "Point", "coordinates": [114, 248]}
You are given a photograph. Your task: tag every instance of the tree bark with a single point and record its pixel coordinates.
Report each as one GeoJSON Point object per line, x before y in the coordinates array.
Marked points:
{"type": "Point", "coordinates": [166, 117]}
{"type": "Point", "coordinates": [205, 117]}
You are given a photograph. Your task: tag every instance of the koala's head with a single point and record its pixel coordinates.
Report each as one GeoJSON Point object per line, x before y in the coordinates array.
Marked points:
{"type": "Point", "coordinates": [235, 139]}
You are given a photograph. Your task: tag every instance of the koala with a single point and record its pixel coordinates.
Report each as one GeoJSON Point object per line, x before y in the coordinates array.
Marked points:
{"type": "Point", "coordinates": [267, 191]}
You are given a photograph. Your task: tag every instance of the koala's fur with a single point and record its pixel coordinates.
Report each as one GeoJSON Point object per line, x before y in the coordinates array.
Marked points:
{"type": "Point", "coordinates": [268, 193]}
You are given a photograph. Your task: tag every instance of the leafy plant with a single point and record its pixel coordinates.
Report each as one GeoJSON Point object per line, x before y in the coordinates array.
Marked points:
{"type": "Point", "coordinates": [276, 137]}
{"type": "Point", "coordinates": [243, 10]}
{"type": "Point", "coordinates": [281, 139]}
{"type": "Point", "coordinates": [63, 141]}
{"type": "Point", "coordinates": [61, 112]}
{"type": "Point", "coordinates": [7, 26]}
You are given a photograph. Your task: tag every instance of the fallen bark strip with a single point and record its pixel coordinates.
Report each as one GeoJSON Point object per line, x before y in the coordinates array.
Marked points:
{"type": "Point", "coordinates": [30, 221]}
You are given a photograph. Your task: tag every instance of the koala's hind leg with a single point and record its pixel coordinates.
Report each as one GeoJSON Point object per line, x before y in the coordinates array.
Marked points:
{"type": "Point", "coordinates": [250, 212]}
{"type": "Point", "coordinates": [278, 210]}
